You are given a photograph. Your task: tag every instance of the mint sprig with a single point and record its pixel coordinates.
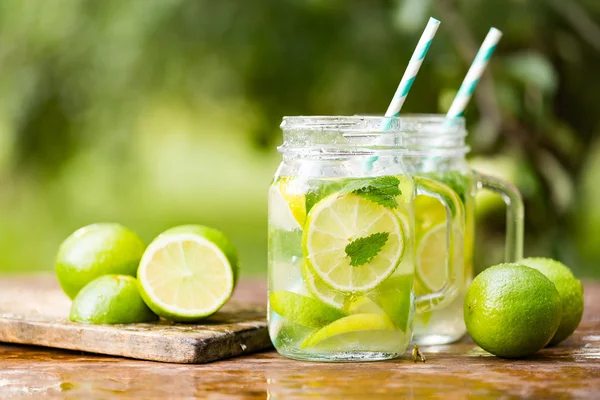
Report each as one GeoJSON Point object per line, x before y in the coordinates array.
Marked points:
{"type": "Point", "coordinates": [382, 190]}
{"type": "Point", "coordinates": [362, 250]}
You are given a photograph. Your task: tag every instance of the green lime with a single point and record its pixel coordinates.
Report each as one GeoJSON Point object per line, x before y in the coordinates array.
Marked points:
{"type": "Point", "coordinates": [394, 296]}
{"type": "Point", "coordinates": [367, 332]}
{"type": "Point", "coordinates": [570, 290]}
{"type": "Point", "coordinates": [110, 299]}
{"type": "Point", "coordinates": [188, 273]}
{"type": "Point", "coordinates": [512, 310]}
{"type": "Point", "coordinates": [97, 250]}
{"type": "Point", "coordinates": [303, 310]}
{"type": "Point", "coordinates": [338, 221]}
{"type": "Point", "coordinates": [320, 290]}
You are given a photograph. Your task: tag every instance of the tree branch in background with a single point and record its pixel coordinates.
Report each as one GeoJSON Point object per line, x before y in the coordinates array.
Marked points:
{"type": "Point", "coordinates": [579, 20]}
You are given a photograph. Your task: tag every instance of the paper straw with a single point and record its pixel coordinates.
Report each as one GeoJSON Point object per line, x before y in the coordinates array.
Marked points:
{"type": "Point", "coordinates": [407, 80]}
{"type": "Point", "coordinates": [412, 68]}
{"type": "Point", "coordinates": [459, 104]}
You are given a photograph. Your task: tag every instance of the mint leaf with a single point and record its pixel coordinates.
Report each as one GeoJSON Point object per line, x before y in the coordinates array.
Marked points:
{"type": "Point", "coordinates": [382, 190]}
{"type": "Point", "coordinates": [362, 250]}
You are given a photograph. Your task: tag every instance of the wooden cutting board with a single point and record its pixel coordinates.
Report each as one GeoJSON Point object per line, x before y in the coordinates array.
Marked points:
{"type": "Point", "coordinates": [37, 314]}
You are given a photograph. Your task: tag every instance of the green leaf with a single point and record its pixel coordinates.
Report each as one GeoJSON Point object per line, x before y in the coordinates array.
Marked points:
{"type": "Point", "coordinates": [533, 68]}
{"type": "Point", "coordinates": [382, 190]}
{"type": "Point", "coordinates": [362, 250]}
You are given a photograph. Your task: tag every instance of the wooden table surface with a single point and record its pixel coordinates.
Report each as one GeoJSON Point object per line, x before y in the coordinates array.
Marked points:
{"type": "Point", "coordinates": [462, 370]}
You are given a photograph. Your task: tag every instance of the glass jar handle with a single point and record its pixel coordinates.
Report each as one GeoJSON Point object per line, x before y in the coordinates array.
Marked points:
{"type": "Point", "coordinates": [455, 221]}
{"type": "Point", "coordinates": [513, 250]}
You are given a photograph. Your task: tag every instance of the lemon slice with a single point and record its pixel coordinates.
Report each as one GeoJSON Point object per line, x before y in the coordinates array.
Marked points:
{"type": "Point", "coordinates": [188, 273]}
{"type": "Point", "coordinates": [358, 332]}
{"type": "Point", "coordinates": [320, 290]}
{"type": "Point", "coordinates": [338, 220]}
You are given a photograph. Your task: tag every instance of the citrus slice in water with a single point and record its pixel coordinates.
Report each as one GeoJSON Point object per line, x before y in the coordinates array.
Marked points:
{"type": "Point", "coordinates": [287, 206]}
{"type": "Point", "coordinates": [366, 332]}
{"type": "Point", "coordinates": [188, 273]}
{"type": "Point", "coordinates": [432, 252]}
{"type": "Point", "coordinates": [303, 310]}
{"type": "Point", "coordinates": [320, 290]}
{"type": "Point", "coordinates": [345, 225]}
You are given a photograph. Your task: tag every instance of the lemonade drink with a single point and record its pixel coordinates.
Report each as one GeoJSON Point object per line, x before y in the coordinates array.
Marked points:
{"type": "Point", "coordinates": [342, 242]}
{"type": "Point", "coordinates": [446, 324]}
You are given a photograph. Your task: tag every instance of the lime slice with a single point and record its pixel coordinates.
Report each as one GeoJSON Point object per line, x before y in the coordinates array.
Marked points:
{"type": "Point", "coordinates": [188, 273]}
{"type": "Point", "coordinates": [320, 290]}
{"type": "Point", "coordinates": [334, 223]}
{"type": "Point", "coordinates": [366, 332]}
{"type": "Point", "coordinates": [432, 253]}
{"type": "Point", "coordinates": [280, 213]}
{"type": "Point", "coordinates": [303, 310]}
{"type": "Point", "coordinates": [293, 193]}
{"type": "Point", "coordinates": [287, 206]}
{"type": "Point", "coordinates": [395, 297]}
{"type": "Point", "coordinates": [364, 305]}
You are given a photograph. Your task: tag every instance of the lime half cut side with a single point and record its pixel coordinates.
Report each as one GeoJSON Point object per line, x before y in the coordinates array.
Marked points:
{"type": "Point", "coordinates": [187, 274]}
{"type": "Point", "coordinates": [338, 220]}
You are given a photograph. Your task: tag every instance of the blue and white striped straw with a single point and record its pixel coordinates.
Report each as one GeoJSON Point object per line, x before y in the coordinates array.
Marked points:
{"type": "Point", "coordinates": [412, 69]}
{"type": "Point", "coordinates": [459, 104]}
{"type": "Point", "coordinates": [407, 80]}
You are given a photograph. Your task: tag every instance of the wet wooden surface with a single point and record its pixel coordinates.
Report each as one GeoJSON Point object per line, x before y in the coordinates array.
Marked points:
{"type": "Point", "coordinates": [458, 371]}
{"type": "Point", "coordinates": [35, 311]}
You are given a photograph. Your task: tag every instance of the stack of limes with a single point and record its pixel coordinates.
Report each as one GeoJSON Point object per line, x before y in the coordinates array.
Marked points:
{"type": "Point", "coordinates": [186, 273]}
{"type": "Point", "coordinates": [514, 310]}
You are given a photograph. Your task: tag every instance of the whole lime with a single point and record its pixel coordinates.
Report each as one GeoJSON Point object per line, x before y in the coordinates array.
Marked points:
{"type": "Point", "coordinates": [570, 290]}
{"type": "Point", "coordinates": [512, 310]}
{"type": "Point", "coordinates": [97, 250]}
{"type": "Point", "coordinates": [111, 299]}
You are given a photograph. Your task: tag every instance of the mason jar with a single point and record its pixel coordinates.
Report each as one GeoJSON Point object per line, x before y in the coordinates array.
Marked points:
{"type": "Point", "coordinates": [343, 254]}
{"type": "Point", "coordinates": [438, 152]}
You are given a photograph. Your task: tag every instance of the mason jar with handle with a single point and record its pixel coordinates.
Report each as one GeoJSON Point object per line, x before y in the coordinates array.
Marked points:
{"type": "Point", "coordinates": [439, 153]}
{"type": "Point", "coordinates": [342, 258]}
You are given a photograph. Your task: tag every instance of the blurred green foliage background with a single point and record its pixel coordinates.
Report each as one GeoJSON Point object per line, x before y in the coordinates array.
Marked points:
{"type": "Point", "coordinates": [155, 113]}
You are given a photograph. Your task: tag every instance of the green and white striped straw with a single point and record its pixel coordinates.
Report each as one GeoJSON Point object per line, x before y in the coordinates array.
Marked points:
{"type": "Point", "coordinates": [459, 104]}
{"type": "Point", "coordinates": [407, 80]}
{"type": "Point", "coordinates": [412, 68]}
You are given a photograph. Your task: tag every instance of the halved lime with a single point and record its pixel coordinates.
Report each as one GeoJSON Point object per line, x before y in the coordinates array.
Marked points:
{"type": "Point", "coordinates": [357, 332]}
{"type": "Point", "coordinates": [338, 220]}
{"type": "Point", "coordinates": [303, 310]}
{"type": "Point", "coordinates": [320, 290]}
{"type": "Point", "coordinates": [188, 273]}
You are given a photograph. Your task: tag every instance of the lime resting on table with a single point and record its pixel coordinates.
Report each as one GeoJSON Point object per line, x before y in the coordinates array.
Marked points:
{"type": "Point", "coordinates": [110, 299]}
{"type": "Point", "coordinates": [188, 273]}
{"type": "Point", "coordinates": [569, 289]}
{"type": "Point", "coordinates": [96, 250]}
{"type": "Point", "coordinates": [512, 310]}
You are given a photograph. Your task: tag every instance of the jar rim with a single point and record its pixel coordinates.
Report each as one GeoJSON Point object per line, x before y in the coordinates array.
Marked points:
{"type": "Point", "coordinates": [412, 134]}
{"type": "Point", "coordinates": [412, 125]}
